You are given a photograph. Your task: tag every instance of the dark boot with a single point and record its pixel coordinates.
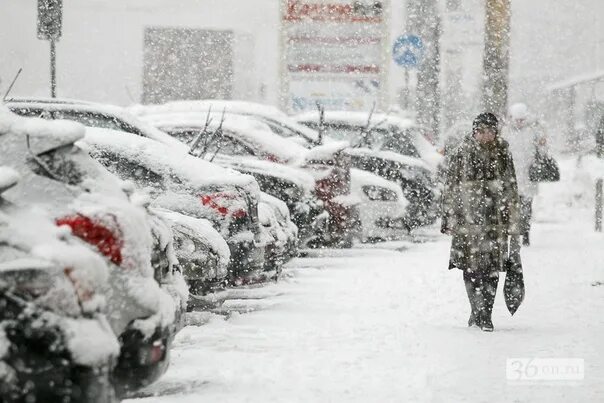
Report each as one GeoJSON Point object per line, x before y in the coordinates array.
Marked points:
{"type": "Point", "coordinates": [489, 290]}
{"type": "Point", "coordinates": [470, 283]}
{"type": "Point", "coordinates": [486, 324]}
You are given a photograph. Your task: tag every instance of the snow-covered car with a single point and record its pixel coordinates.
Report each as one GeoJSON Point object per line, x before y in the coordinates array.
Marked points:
{"type": "Point", "coordinates": [382, 207]}
{"type": "Point", "coordinates": [203, 254]}
{"type": "Point", "coordinates": [55, 342]}
{"type": "Point", "coordinates": [180, 182]}
{"type": "Point", "coordinates": [292, 186]}
{"type": "Point", "coordinates": [216, 134]}
{"type": "Point", "coordinates": [391, 147]}
{"type": "Point", "coordinates": [79, 194]}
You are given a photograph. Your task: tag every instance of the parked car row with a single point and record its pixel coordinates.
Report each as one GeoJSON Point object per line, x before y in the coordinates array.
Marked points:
{"type": "Point", "coordinates": [114, 222]}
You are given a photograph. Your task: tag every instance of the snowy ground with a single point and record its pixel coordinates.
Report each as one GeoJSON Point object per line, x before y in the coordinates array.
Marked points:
{"type": "Point", "coordinates": [388, 323]}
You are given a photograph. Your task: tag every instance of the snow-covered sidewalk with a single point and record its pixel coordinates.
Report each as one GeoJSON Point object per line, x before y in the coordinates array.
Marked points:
{"type": "Point", "coordinates": [388, 324]}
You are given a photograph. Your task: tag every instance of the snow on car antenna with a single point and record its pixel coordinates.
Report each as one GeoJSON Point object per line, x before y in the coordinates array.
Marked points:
{"type": "Point", "coordinates": [195, 142]}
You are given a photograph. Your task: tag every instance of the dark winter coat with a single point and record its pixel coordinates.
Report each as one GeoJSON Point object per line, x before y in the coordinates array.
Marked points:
{"type": "Point", "coordinates": [480, 205]}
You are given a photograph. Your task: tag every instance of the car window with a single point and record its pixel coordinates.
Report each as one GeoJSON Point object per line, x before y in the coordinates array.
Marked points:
{"type": "Point", "coordinates": [230, 146]}
{"type": "Point", "coordinates": [187, 136]}
{"type": "Point", "coordinates": [131, 170]}
{"type": "Point", "coordinates": [58, 165]}
{"type": "Point", "coordinates": [30, 112]}
{"type": "Point", "coordinates": [89, 119]}
{"type": "Point", "coordinates": [280, 129]}
{"type": "Point", "coordinates": [400, 142]}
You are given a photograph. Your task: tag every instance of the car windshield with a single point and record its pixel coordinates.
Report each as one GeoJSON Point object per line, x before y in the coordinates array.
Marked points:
{"type": "Point", "coordinates": [93, 119]}
{"type": "Point", "coordinates": [210, 143]}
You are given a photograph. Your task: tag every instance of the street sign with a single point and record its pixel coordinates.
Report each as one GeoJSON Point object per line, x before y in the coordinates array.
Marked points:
{"type": "Point", "coordinates": [50, 17]}
{"type": "Point", "coordinates": [408, 51]}
{"type": "Point", "coordinates": [334, 52]}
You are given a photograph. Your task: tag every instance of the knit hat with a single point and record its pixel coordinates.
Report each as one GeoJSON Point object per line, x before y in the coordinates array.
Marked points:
{"type": "Point", "coordinates": [486, 120]}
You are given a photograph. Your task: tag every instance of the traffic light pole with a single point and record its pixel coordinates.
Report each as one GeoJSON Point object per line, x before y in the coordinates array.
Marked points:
{"type": "Point", "coordinates": [53, 69]}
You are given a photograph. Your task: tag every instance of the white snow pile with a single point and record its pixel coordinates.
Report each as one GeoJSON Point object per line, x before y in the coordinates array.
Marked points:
{"type": "Point", "coordinates": [253, 133]}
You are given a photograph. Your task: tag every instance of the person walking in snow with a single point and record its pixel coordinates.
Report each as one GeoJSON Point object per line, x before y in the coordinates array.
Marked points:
{"type": "Point", "coordinates": [525, 137]}
{"type": "Point", "coordinates": [481, 211]}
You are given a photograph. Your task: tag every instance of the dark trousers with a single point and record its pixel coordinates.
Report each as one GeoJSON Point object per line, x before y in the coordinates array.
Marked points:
{"type": "Point", "coordinates": [481, 286]}
{"type": "Point", "coordinates": [526, 214]}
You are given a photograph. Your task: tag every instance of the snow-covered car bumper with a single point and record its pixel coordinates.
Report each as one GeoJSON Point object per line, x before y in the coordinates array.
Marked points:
{"type": "Point", "coordinates": [53, 358]}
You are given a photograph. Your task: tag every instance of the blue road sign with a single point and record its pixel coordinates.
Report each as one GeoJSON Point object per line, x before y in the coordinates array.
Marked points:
{"type": "Point", "coordinates": [408, 51]}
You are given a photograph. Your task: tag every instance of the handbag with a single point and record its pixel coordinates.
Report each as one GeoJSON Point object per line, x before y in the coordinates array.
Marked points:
{"type": "Point", "coordinates": [513, 288]}
{"type": "Point", "coordinates": [544, 168]}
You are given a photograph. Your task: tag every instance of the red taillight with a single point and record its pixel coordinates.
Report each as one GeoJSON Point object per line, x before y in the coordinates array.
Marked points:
{"type": "Point", "coordinates": [272, 158]}
{"type": "Point", "coordinates": [212, 202]}
{"type": "Point", "coordinates": [108, 243]}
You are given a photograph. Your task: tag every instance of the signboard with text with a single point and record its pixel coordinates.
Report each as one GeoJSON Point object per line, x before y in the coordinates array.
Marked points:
{"type": "Point", "coordinates": [335, 53]}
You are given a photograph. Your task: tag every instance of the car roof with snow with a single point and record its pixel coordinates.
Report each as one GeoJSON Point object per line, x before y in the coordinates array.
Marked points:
{"type": "Point", "coordinates": [253, 165]}
{"type": "Point", "coordinates": [116, 118]}
{"type": "Point", "coordinates": [267, 112]}
{"type": "Point", "coordinates": [427, 151]}
{"type": "Point", "coordinates": [170, 161]}
{"type": "Point", "coordinates": [356, 118]}
{"type": "Point", "coordinates": [255, 134]}
{"type": "Point", "coordinates": [362, 178]}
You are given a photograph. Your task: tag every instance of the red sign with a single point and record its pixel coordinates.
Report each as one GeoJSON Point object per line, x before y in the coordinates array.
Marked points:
{"type": "Point", "coordinates": [342, 12]}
